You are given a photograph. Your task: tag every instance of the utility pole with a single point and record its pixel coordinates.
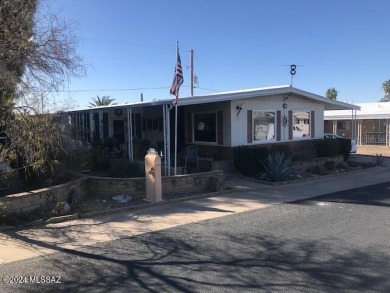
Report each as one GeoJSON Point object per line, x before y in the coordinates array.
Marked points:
{"type": "Point", "coordinates": [192, 71]}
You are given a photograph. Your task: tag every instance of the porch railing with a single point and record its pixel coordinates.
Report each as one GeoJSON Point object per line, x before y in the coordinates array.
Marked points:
{"type": "Point", "coordinates": [374, 138]}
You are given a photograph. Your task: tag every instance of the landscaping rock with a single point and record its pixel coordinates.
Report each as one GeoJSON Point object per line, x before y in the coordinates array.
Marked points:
{"type": "Point", "coordinates": [61, 209]}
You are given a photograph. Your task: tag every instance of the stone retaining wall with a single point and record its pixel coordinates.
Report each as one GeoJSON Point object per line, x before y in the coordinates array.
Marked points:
{"type": "Point", "coordinates": [301, 166]}
{"type": "Point", "coordinates": [103, 187]}
{"type": "Point", "coordinates": [34, 200]}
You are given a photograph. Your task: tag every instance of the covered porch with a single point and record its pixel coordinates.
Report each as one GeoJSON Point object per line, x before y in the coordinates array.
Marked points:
{"type": "Point", "coordinates": [128, 131]}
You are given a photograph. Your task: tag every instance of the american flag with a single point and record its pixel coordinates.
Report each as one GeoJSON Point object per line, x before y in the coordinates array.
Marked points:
{"type": "Point", "coordinates": [177, 80]}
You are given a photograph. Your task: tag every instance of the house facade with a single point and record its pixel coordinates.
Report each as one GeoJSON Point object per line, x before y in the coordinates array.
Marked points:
{"type": "Point", "coordinates": [216, 123]}
{"type": "Point", "coordinates": [369, 125]}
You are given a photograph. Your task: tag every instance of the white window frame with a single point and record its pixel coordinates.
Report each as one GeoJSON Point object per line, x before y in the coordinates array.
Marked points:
{"type": "Point", "coordinates": [273, 139]}
{"type": "Point", "coordinates": [299, 125]}
{"type": "Point", "coordinates": [194, 128]}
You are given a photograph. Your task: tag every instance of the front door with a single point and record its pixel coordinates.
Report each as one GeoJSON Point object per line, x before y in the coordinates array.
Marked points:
{"type": "Point", "coordinates": [119, 131]}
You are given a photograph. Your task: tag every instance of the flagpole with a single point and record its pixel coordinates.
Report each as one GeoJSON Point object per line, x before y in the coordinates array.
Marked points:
{"type": "Point", "coordinates": [177, 95]}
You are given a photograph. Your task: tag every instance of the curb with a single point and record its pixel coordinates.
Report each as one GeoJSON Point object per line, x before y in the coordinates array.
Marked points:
{"type": "Point", "coordinates": [154, 204]}
{"type": "Point", "coordinates": [316, 177]}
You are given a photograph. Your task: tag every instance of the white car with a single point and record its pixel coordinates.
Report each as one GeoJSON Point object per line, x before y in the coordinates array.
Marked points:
{"type": "Point", "coordinates": [297, 132]}
{"type": "Point", "coordinates": [335, 136]}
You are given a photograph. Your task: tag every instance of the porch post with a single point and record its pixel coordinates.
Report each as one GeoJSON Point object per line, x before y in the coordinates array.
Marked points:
{"type": "Point", "coordinates": [83, 123]}
{"type": "Point", "coordinates": [165, 139]}
{"type": "Point", "coordinates": [334, 126]}
{"type": "Point", "coordinates": [101, 125]}
{"type": "Point", "coordinates": [353, 125]}
{"type": "Point", "coordinates": [168, 141]}
{"type": "Point", "coordinates": [91, 126]}
{"type": "Point", "coordinates": [130, 134]}
{"type": "Point", "coordinates": [387, 132]}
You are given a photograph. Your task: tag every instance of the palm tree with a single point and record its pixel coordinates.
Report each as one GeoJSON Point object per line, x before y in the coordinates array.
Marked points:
{"type": "Point", "coordinates": [331, 93]}
{"type": "Point", "coordinates": [386, 89]}
{"type": "Point", "coordinates": [103, 101]}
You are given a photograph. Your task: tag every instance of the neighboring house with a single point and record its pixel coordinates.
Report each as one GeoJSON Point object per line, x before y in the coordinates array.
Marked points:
{"type": "Point", "coordinates": [216, 123]}
{"type": "Point", "coordinates": [369, 125]}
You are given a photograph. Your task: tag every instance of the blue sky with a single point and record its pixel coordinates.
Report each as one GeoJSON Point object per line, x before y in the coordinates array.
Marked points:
{"type": "Point", "coordinates": [129, 46]}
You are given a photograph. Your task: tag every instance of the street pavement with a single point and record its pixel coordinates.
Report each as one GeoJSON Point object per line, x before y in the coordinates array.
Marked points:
{"type": "Point", "coordinates": [22, 244]}
{"type": "Point", "coordinates": [337, 242]}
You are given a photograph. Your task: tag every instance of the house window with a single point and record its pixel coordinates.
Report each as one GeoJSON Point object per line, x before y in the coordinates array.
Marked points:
{"type": "Point", "coordinates": [205, 127]}
{"type": "Point", "coordinates": [300, 124]}
{"type": "Point", "coordinates": [342, 124]}
{"type": "Point", "coordinates": [263, 126]}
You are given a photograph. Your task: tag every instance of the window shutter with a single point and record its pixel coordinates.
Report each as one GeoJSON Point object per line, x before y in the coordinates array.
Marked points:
{"type": "Point", "coordinates": [278, 125]}
{"type": "Point", "coordinates": [290, 125]}
{"type": "Point", "coordinates": [220, 127]}
{"type": "Point", "coordinates": [312, 125]}
{"type": "Point", "coordinates": [189, 127]}
{"type": "Point", "coordinates": [249, 127]}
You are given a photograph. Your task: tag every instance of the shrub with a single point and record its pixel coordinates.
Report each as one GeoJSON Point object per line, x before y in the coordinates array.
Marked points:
{"type": "Point", "coordinates": [378, 160]}
{"type": "Point", "coordinates": [317, 169]}
{"type": "Point", "coordinates": [247, 159]}
{"type": "Point", "coordinates": [342, 165]}
{"type": "Point", "coordinates": [345, 147]}
{"type": "Point", "coordinates": [6, 179]}
{"type": "Point", "coordinates": [2, 207]}
{"type": "Point", "coordinates": [277, 166]}
{"type": "Point", "coordinates": [327, 147]}
{"type": "Point", "coordinates": [329, 165]}
{"type": "Point", "coordinates": [125, 169]}
{"type": "Point", "coordinates": [98, 158]}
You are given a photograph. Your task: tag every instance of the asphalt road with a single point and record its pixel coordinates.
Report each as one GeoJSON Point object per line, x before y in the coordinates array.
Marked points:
{"type": "Point", "coordinates": [334, 243]}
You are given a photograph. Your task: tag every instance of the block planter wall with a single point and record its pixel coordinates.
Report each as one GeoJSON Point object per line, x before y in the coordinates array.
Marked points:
{"type": "Point", "coordinates": [33, 200]}
{"type": "Point", "coordinates": [304, 165]}
{"type": "Point", "coordinates": [196, 182]}
{"type": "Point", "coordinates": [104, 187]}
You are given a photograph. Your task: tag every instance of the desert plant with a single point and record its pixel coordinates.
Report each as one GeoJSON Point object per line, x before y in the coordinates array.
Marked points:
{"type": "Point", "coordinates": [378, 160]}
{"type": "Point", "coordinates": [342, 165]}
{"type": "Point", "coordinates": [317, 170]}
{"type": "Point", "coordinates": [277, 166]}
{"type": "Point", "coordinates": [329, 165]}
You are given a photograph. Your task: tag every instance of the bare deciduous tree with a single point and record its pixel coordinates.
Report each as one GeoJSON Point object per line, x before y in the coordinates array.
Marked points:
{"type": "Point", "coordinates": [38, 54]}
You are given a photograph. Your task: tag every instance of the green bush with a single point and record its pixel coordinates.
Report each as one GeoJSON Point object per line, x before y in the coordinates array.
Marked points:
{"type": "Point", "coordinates": [342, 165]}
{"type": "Point", "coordinates": [98, 159]}
{"type": "Point", "coordinates": [330, 165]}
{"type": "Point", "coordinates": [327, 147]}
{"type": "Point", "coordinates": [3, 205]}
{"type": "Point", "coordinates": [247, 159]}
{"type": "Point", "coordinates": [125, 169]}
{"type": "Point", "coordinates": [317, 170]}
{"type": "Point", "coordinates": [345, 147]}
{"type": "Point", "coordinates": [6, 179]}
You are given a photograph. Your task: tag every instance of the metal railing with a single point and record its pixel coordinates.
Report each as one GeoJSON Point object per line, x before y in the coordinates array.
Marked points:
{"type": "Point", "coordinates": [374, 138]}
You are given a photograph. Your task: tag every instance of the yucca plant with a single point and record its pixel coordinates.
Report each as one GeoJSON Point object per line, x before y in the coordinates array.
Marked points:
{"type": "Point", "coordinates": [277, 166]}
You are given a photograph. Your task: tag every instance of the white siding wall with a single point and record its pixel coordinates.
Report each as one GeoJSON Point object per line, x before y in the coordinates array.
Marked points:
{"type": "Point", "coordinates": [273, 103]}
